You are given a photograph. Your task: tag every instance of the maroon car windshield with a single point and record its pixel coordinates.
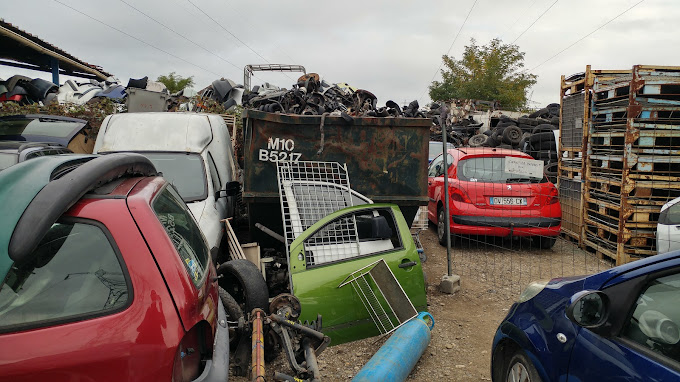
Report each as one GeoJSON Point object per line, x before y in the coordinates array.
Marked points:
{"type": "Point", "coordinates": [491, 170]}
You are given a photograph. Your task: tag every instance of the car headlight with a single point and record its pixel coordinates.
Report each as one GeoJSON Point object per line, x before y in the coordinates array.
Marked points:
{"type": "Point", "coordinates": [534, 288]}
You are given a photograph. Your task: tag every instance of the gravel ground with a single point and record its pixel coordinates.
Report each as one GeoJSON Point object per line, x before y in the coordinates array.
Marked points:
{"type": "Point", "coordinates": [493, 273]}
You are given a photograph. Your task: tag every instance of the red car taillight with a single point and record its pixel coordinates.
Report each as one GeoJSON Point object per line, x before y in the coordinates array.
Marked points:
{"type": "Point", "coordinates": [458, 195]}
{"type": "Point", "coordinates": [553, 196]}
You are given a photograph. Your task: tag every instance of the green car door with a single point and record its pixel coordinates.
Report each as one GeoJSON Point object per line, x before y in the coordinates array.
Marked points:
{"type": "Point", "coordinates": [323, 256]}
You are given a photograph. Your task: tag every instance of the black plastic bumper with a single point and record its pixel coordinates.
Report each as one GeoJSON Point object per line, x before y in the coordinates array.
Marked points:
{"type": "Point", "coordinates": [492, 221]}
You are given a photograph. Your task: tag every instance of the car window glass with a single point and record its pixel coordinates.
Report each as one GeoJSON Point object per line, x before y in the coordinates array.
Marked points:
{"type": "Point", "coordinates": [217, 184]}
{"type": "Point", "coordinates": [360, 234]}
{"type": "Point", "coordinates": [655, 322]}
{"type": "Point", "coordinates": [490, 170]}
{"type": "Point", "coordinates": [671, 215]}
{"type": "Point", "coordinates": [435, 166]}
{"type": "Point", "coordinates": [184, 233]}
{"type": "Point", "coordinates": [184, 171]}
{"type": "Point", "coordinates": [74, 272]}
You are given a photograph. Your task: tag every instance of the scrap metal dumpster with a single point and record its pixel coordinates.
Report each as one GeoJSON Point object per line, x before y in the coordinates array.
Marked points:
{"type": "Point", "coordinates": [386, 158]}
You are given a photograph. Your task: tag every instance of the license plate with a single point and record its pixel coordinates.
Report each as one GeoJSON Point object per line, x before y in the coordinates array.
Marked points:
{"type": "Point", "coordinates": [503, 201]}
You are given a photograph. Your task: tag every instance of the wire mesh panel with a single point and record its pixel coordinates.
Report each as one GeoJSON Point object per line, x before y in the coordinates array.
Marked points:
{"type": "Point", "coordinates": [310, 191]}
{"type": "Point", "coordinates": [382, 296]}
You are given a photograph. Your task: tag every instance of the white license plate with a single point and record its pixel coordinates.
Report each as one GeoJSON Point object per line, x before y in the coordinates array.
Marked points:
{"type": "Point", "coordinates": [502, 201]}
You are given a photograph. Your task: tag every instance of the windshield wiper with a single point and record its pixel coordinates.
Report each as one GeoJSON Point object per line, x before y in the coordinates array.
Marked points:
{"type": "Point", "coordinates": [519, 180]}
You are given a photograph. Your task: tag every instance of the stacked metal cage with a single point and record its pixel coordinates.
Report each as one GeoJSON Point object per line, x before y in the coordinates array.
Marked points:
{"type": "Point", "coordinates": [630, 163]}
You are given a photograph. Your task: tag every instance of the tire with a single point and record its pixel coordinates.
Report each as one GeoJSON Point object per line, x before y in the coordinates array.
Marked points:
{"type": "Point", "coordinates": [478, 140]}
{"type": "Point", "coordinates": [234, 313]}
{"type": "Point", "coordinates": [243, 281]}
{"type": "Point", "coordinates": [512, 135]}
{"type": "Point", "coordinates": [520, 369]}
{"type": "Point", "coordinates": [543, 128]}
{"type": "Point", "coordinates": [543, 242]}
{"type": "Point", "coordinates": [546, 146]}
{"type": "Point", "coordinates": [504, 146]}
{"type": "Point", "coordinates": [543, 155]}
{"type": "Point", "coordinates": [537, 138]}
{"type": "Point", "coordinates": [539, 113]}
{"type": "Point", "coordinates": [441, 228]}
{"type": "Point", "coordinates": [551, 172]}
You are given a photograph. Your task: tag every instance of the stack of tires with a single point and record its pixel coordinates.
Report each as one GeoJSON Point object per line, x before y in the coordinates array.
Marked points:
{"type": "Point", "coordinates": [532, 134]}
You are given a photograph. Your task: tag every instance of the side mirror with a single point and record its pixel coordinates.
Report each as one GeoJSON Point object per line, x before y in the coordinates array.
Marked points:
{"type": "Point", "coordinates": [589, 309]}
{"type": "Point", "coordinates": [231, 189]}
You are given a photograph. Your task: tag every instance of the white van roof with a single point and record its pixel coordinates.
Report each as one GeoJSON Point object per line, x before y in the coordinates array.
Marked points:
{"type": "Point", "coordinates": [186, 132]}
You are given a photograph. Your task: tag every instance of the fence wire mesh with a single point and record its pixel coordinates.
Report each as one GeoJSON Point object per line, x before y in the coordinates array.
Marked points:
{"type": "Point", "coordinates": [611, 162]}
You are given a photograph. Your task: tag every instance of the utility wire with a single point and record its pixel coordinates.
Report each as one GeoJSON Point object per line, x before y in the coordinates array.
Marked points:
{"type": "Point", "coordinates": [518, 18]}
{"type": "Point", "coordinates": [450, 47]}
{"type": "Point", "coordinates": [138, 39]}
{"type": "Point", "coordinates": [180, 35]}
{"type": "Point", "coordinates": [226, 30]}
{"type": "Point", "coordinates": [232, 35]}
{"type": "Point", "coordinates": [532, 24]}
{"type": "Point", "coordinates": [586, 36]}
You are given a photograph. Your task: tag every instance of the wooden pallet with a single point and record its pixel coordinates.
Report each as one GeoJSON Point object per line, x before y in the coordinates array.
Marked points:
{"type": "Point", "coordinates": [235, 250]}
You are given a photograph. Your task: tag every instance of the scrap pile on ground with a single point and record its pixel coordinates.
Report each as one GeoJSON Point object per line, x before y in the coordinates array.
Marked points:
{"type": "Point", "coordinates": [533, 134]}
{"type": "Point", "coordinates": [312, 96]}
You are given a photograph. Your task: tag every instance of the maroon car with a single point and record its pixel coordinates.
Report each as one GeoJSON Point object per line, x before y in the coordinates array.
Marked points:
{"type": "Point", "coordinates": [105, 276]}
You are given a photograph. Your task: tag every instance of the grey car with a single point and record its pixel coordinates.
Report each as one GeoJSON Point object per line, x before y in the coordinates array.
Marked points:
{"type": "Point", "coordinates": [13, 152]}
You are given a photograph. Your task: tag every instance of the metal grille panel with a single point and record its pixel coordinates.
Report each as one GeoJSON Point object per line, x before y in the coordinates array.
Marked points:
{"type": "Point", "coordinates": [308, 192]}
{"type": "Point", "coordinates": [572, 120]}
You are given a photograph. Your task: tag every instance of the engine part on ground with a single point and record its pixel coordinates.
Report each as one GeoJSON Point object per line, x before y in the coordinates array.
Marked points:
{"type": "Point", "coordinates": [257, 371]}
{"type": "Point", "coordinates": [286, 305]}
{"type": "Point", "coordinates": [400, 353]}
{"type": "Point", "coordinates": [299, 341]}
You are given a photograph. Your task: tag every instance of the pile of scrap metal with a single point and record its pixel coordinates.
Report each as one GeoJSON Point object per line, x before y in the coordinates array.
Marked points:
{"type": "Point", "coordinates": [534, 134]}
{"type": "Point", "coordinates": [225, 91]}
{"type": "Point", "coordinates": [302, 342]}
{"type": "Point", "coordinates": [457, 118]}
{"type": "Point", "coordinates": [312, 96]}
{"type": "Point", "coordinates": [26, 91]}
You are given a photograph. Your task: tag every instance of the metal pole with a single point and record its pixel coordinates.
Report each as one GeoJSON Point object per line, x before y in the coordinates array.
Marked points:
{"type": "Point", "coordinates": [446, 200]}
{"type": "Point", "coordinates": [257, 358]}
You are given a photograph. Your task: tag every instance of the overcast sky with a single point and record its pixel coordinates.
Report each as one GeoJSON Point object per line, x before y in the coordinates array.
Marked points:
{"type": "Point", "coordinates": [392, 48]}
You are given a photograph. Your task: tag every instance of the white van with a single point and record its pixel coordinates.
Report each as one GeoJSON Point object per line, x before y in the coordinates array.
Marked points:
{"type": "Point", "coordinates": [193, 152]}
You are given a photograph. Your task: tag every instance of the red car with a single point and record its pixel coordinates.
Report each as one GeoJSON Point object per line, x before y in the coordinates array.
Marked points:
{"type": "Point", "coordinates": [485, 199]}
{"type": "Point", "coordinates": [105, 276]}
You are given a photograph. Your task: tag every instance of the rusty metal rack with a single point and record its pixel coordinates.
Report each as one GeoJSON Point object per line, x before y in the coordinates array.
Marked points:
{"type": "Point", "coordinates": [630, 165]}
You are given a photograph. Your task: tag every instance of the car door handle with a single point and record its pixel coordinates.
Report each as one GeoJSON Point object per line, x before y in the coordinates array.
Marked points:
{"type": "Point", "coordinates": [407, 265]}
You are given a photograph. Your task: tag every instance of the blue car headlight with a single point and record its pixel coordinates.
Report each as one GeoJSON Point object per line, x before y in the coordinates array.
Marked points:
{"type": "Point", "coordinates": [533, 289]}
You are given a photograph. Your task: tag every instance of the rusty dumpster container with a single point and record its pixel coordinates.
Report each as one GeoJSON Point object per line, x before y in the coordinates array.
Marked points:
{"type": "Point", "coordinates": [386, 158]}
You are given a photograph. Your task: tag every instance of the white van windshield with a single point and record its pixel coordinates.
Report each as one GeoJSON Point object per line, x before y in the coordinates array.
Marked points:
{"type": "Point", "coordinates": [185, 171]}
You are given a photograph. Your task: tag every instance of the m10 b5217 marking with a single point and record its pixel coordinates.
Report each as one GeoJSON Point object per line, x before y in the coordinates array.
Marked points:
{"type": "Point", "coordinates": [279, 150]}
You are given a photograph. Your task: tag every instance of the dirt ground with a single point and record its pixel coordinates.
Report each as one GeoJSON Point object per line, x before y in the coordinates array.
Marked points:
{"type": "Point", "coordinates": [493, 273]}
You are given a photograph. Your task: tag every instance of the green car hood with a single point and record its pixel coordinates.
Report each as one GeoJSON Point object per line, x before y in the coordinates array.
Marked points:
{"type": "Point", "coordinates": [19, 184]}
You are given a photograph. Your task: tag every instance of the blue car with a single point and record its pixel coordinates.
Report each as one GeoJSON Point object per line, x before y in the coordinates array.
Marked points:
{"type": "Point", "coordinates": [620, 324]}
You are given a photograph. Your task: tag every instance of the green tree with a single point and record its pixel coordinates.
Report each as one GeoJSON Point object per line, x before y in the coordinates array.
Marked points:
{"type": "Point", "coordinates": [492, 72]}
{"type": "Point", "coordinates": [174, 82]}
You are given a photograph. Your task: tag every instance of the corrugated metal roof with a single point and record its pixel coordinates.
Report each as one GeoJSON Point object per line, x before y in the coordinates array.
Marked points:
{"type": "Point", "coordinates": [21, 46]}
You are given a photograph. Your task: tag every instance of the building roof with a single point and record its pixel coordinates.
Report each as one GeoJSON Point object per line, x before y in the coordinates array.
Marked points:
{"type": "Point", "coordinates": [23, 47]}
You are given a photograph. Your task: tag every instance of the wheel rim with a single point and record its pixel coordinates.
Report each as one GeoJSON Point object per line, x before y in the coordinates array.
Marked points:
{"type": "Point", "coordinates": [518, 373]}
{"type": "Point", "coordinates": [441, 230]}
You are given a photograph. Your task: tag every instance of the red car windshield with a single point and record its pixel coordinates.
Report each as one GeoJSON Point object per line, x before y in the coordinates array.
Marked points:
{"type": "Point", "coordinates": [491, 170]}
